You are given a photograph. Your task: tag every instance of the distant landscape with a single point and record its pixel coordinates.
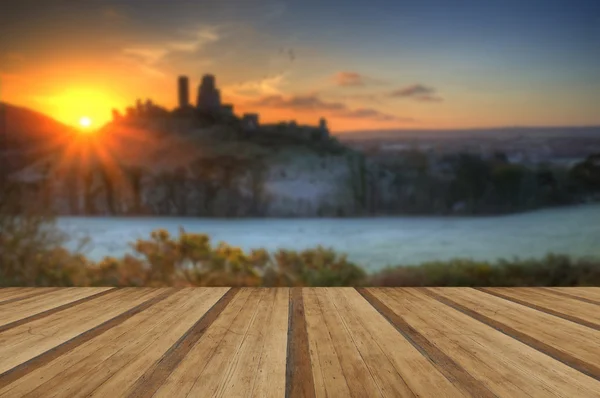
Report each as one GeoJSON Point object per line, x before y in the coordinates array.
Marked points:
{"type": "Point", "coordinates": [299, 143]}
{"type": "Point", "coordinates": [213, 163]}
{"type": "Point", "coordinates": [153, 162]}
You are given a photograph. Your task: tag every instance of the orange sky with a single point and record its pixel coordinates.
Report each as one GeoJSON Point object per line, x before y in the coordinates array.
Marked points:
{"type": "Point", "coordinates": [286, 62]}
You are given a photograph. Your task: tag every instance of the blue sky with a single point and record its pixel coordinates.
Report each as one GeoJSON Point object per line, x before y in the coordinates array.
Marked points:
{"type": "Point", "coordinates": [456, 63]}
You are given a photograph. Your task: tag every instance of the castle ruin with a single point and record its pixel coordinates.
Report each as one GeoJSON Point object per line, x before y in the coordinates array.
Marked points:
{"type": "Point", "coordinates": [209, 110]}
{"type": "Point", "coordinates": [209, 97]}
{"type": "Point", "coordinates": [183, 92]}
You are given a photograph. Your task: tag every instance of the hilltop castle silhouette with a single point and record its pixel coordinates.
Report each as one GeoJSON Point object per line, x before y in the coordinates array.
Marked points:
{"type": "Point", "coordinates": [210, 109]}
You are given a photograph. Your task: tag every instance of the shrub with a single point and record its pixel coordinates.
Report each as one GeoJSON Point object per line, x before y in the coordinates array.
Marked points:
{"type": "Point", "coordinates": [31, 248]}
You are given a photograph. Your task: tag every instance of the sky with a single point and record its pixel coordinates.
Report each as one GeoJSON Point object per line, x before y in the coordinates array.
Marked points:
{"type": "Point", "coordinates": [376, 64]}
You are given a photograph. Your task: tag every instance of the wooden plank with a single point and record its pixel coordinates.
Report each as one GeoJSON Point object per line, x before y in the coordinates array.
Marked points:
{"type": "Point", "coordinates": [544, 332]}
{"type": "Point", "coordinates": [453, 371]}
{"type": "Point", "coordinates": [172, 340]}
{"type": "Point", "coordinates": [10, 289]}
{"type": "Point", "coordinates": [250, 360]}
{"type": "Point", "coordinates": [22, 370]}
{"type": "Point", "coordinates": [155, 377]}
{"type": "Point", "coordinates": [587, 295]}
{"type": "Point", "coordinates": [359, 379]}
{"type": "Point", "coordinates": [504, 365]}
{"type": "Point", "coordinates": [563, 307]}
{"type": "Point", "coordinates": [16, 294]}
{"type": "Point", "coordinates": [327, 370]}
{"type": "Point", "coordinates": [203, 369]}
{"type": "Point", "coordinates": [90, 348]}
{"type": "Point", "coordinates": [270, 378]}
{"type": "Point", "coordinates": [25, 342]}
{"type": "Point", "coordinates": [385, 381]}
{"type": "Point", "coordinates": [210, 382]}
{"type": "Point", "coordinates": [28, 307]}
{"type": "Point", "coordinates": [592, 293]}
{"type": "Point", "coordinates": [398, 368]}
{"type": "Point", "coordinates": [112, 362]}
{"type": "Point", "coordinates": [100, 292]}
{"type": "Point", "coordinates": [299, 380]}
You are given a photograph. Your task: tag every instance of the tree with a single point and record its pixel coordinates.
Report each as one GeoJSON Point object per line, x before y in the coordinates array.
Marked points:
{"type": "Point", "coordinates": [587, 173]}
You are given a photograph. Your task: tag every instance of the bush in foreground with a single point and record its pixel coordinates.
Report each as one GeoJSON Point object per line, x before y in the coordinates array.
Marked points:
{"type": "Point", "coordinates": [32, 254]}
{"type": "Point", "coordinates": [192, 260]}
{"type": "Point", "coordinates": [553, 270]}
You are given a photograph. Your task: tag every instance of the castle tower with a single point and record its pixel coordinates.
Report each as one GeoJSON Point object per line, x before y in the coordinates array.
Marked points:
{"type": "Point", "coordinates": [183, 91]}
{"type": "Point", "coordinates": [323, 125]}
{"type": "Point", "coordinates": [209, 98]}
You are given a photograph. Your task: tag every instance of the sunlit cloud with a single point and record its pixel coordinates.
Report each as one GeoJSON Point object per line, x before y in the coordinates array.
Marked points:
{"type": "Point", "coordinates": [148, 57]}
{"type": "Point", "coordinates": [417, 92]}
{"type": "Point", "coordinates": [298, 102]}
{"type": "Point", "coordinates": [195, 40]}
{"type": "Point", "coordinates": [348, 79]}
{"type": "Point", "coordinates": [269, 85]}
{"type": "Point", "coordinates": [353, 79]}
{"type": "Point", "coordinates": [312, 103]}
{"type": "Point", "coordinates": [373, 114]}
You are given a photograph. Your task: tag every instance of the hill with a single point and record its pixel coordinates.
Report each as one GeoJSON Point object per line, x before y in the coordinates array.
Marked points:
{"type": "Point", "coordinates": [27, 135]}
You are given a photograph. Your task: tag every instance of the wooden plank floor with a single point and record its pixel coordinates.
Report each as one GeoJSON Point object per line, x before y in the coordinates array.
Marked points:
{"type": "Point", "coordinates": [300, 342]}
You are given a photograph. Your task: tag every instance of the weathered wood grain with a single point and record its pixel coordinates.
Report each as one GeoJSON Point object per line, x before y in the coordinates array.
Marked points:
{"type": "Point", "coordinates": [154, 377]}
{"type": "Point", "coordinates": [444, 363]}
{"type": "Point", "coordinates": [563, 307]}
{"type": "Point", "coordinates": [299, 342]}
{"type": "Point", "coordinates": [19, 357]}
{"type": "Point", "coordinates": [505, 365]}
{"type": "Point", "coordinates": [544, 332]}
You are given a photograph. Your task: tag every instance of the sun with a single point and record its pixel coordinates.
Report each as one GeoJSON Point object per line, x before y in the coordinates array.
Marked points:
{"type": "Point", "coordinates": [85, 122]}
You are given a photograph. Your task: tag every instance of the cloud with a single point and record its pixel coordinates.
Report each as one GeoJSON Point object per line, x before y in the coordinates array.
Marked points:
{"type": "Point", "coordinates": [353, 79]}
{"type": "Point", "coordinates": [195, 40]}
{"type": "Point", "coordinates": [312, 102]}
{"type": "Point", "coordinates": [348, 79]}
{"type": "Point", "coordinates": [417, 92]}
{"type": "Point", "coordinates": [268, 85]}
{"type": "Point", "coordinates": [148, 57]}
{"type": "Point", "coordinates": [373, 114]}
{"type": "Point", "coordinates": [303, 103]}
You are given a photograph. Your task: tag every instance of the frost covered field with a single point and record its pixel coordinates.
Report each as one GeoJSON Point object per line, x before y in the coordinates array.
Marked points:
{"type": "Point", "coordinates": [371, 242]}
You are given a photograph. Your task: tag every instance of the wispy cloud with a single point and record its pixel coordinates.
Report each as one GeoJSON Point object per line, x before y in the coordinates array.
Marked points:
{"type": "Point", "coordinates": [348, 79]}
{"type": "Point", "coordinates": [301, 103]}
{"type": "Point", "coordinates": [195, 40]}
{"type": "Point", "coordinates": [353, 79]}
{"type": "Point", "coordinates": [267, 86]}
{"type": "Point", "coordinates": [149, 56]}
{"type": "Point", "coordinates": [373, 114]}
{"type": "Point", "coordinates": [417, 92]}
{"type": "Point", "coordinates": [312, 103]}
